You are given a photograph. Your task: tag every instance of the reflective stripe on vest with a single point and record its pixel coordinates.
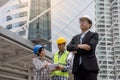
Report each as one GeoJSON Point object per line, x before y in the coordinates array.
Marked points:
{"type": "Point", "coordinates": [61, 61]}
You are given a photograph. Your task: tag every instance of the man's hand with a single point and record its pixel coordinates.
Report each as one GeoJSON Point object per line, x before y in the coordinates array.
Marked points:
{"type": "Point", "coordinates": [84, 46]}
{"type": "Point", "coordinates": [59, 67]}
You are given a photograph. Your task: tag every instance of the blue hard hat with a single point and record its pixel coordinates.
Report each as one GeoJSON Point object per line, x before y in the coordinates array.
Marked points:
{"type": "Point", "coordinates": [36, 48]}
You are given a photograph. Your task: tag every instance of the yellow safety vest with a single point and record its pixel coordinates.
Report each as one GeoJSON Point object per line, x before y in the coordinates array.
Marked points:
{"type": "Point", "coordinates": [60, 61]}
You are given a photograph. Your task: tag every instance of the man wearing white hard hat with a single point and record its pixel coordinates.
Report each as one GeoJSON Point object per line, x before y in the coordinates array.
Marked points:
{"type": "Point", "coordinates": [85, 66]}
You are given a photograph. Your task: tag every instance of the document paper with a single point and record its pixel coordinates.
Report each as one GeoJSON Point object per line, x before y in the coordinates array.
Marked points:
{"type": "Point", "coordinates": [52, 66]}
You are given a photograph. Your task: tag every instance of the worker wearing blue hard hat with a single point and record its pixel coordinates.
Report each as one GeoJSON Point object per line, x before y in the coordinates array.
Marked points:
{"type": "Point", "coordinates": [37, 48]}
{"type": "Point", "coordinates": [40, 64]}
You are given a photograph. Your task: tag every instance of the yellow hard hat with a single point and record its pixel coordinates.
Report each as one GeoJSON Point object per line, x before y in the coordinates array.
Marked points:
{"type": "Point", "coordinates": [61, 40]}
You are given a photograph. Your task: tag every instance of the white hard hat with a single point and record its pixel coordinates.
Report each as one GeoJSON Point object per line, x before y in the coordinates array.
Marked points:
{"type": "Point", "coordinates": [86, 17]}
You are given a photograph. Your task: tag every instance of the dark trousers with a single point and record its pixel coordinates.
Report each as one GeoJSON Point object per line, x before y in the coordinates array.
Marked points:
{"type": "Point", "coordinates": [83, 74]}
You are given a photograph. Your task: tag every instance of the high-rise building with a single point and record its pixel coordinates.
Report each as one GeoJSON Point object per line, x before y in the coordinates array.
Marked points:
{"type": "Point", "coordinates": [41, 27]}
{"type": "Point", "coordinates": [19, 13]}
{"type": "Point", "coordinates": [108, 27]}
{"type": "Point", "coordinates": [14, 15]}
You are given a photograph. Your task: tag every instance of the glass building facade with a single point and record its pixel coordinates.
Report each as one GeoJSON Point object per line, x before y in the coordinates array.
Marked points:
{"type": "Point", "coordinates": [14, 15]}
{"type": "Point", "coordinates": [18, 13]}
{"type": "Point", "coordinates": [41, 27]}
{"type": "Point", "coordinates": [108, 27]}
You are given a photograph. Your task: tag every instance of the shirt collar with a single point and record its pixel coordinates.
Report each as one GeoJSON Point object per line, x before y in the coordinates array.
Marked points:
{"type": "Point", "coordinates": [61, 52]}
{"type": "Point", "coordinates": [85, 31]}
{"type": "Point", "coordinates": [40, 58]}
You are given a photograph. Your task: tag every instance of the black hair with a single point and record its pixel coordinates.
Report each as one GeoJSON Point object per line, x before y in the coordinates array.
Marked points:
{"type": "Point", "coordinates": [40, 51]}
{"type": "Point", "coordinates": [89, 21]}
